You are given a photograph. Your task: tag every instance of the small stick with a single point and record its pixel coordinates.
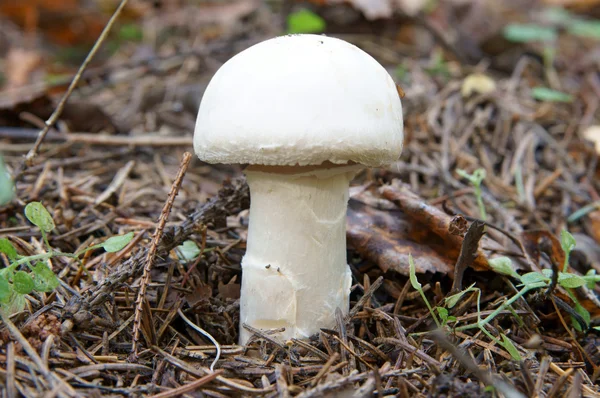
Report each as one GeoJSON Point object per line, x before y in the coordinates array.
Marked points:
{"type": "Point", "coordinates": [193, 386]}
{"type": "Point", "coordinates": [187, 157]}
{"type": "Point", "coordinates": [468, 253]}
{"type": "Point", "coordinates": [61, 105]}
{"type": "Point", "coordinates": [363, 300]}
{"type": "Point", "coordinates": [325, 368]}
{"type": "Point", "coordinates": [11, 370]}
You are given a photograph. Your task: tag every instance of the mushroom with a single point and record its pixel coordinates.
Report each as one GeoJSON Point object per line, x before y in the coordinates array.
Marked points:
{"type": "Point", "coordinates": [305, 113]}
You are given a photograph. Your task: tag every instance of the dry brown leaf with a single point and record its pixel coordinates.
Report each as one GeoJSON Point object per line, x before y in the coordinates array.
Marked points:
{"type": "Point", "coordinates": [65, 22]}
{"type": "Point", "coordinates": [477, 83]}
{"type": "Point", "coordinates": [385, 238]}
{"type": "Point", "coordinates": [592, 134]}
{"type": "Point", "coordinates": [20, 65]}
{"type": "Point", "coordinates": [434, 222]}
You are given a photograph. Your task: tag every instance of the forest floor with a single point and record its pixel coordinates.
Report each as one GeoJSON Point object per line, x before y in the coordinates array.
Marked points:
{"type": "Point", "coordinates": [502, 135]}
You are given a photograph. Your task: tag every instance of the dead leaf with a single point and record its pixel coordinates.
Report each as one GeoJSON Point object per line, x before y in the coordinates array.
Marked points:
{"type": "Point", "coordinates": [434, 222]}
{"type": "Point", "coordinates": [230, 290]}
{"type": "Point", "coordinates": [20, 65]}
{"type": "Point", "coordinates": [579, 5]}
{"type": "Point", "coordinates": [64, 22]}
{"type": "Point", "coordinates": [383, 237]}
{"type": "Point", "coordinates": [79, 115]}
{"type": "Point", "coordinates": [374, 9]}
{"type": "Point", "coordinates": [534, 241]}
{"type": "Point", "coordinates": [593, 218]}
{"type": "Point", "coordinates": [412, 7]}
{"type": "Point", "coordinates": [477, 83]}
{"type": "Point", "coordinates": [592, 134]}
{"type": "Point", "coordinates": [201, 292]}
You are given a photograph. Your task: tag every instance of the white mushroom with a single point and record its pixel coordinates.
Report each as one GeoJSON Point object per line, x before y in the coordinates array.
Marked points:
{"type": "Point", "coordinates": [305, 112]}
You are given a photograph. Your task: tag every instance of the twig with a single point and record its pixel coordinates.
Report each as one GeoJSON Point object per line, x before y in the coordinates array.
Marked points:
{"type": "Point", "coordinates": [468, 252]}
{"type": "Point", "coordinates": [11, 388]}
{"type": "Point", "coordinates": [193, 386]}
{"type": "Point", "coordinates": [187, 157]}
{"type": "Point", "coordinates": [325, 368]}
{"type": "Point", "coordinates": [467, 362]}
{"type": "Point", "coordinates": [361, 302]}
{"type": "Point", "coordinates": [205, 334]}
{"type": "Point", "coordinates": [231, 199]}
{"type": "Point", "coordinates": [149, 139]}
{"type": "Point", "coordinates": [59, 108]}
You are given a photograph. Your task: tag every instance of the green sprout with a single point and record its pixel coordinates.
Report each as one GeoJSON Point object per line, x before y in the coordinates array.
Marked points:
{"type": "Point", "coordinates": [476, 179]}
{"type": "Point", "coordinates": [15, 283]}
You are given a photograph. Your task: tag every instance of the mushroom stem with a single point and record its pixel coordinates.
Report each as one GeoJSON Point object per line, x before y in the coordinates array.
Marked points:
{"type": "Point", "coordinates": [295, 272]}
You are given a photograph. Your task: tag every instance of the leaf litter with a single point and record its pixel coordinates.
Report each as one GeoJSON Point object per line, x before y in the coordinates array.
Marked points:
{"type": "Point", "coordinates": [540, 170]}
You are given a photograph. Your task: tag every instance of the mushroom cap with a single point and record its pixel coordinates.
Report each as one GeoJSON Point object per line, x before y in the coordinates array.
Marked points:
{"type": "Point", "coordinates": [300, 100]}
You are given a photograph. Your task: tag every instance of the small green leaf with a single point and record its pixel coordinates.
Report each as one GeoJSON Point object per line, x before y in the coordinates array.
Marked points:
{"type": "Point", "coordinates": [550, 95]}
{"type": "Point", "coordinates": [588, 29]}
{"type": "Point", "coordinates": [7, 190]}
{"type": "Point", "coordinates": [503, 265]}
{"type": "Point", "coordinates": [585, 314]}
{"type": "Point", "coordinates": [476, 178]}
{"type": "Point", "coordinates": [451, 301]}
{"type": "Point", "coordinates": [22, 282]}
{"type": "Point", "coordinates": [44, 279]}
{"type": "Point", "coordinates": [5, 289]}
{"type": "Point", "coordinates": [116, 243]}
{"type": "Point", "coordinates": [510, 347]}
{"type": "Point", "coordinates": [15, 303]}
{"type": "Point", "coordinates": [188, 251]}
{"type": "Point", "coordinates": [527, 33]}
{"type": "Point", "coordinates": [567, 241]}
{"type": "Point", "coordinates": [597, 328]}
{"type": "Point", "coordinates": [591, 278]}
{"type": "Point", "coordinates": [570, 281]}
{"type": "Point", "coordinates": [39, 216]}
{"type": "Point", "coordinates": [413, 274]}
{"type": "Point", "coordinates": [533, 277]}
{"type": "Point", "coordinates": [454, 299]}
{"type": "Point", "coordinates": [443, 313]}
{"type": "Point", "coordinates": [305, 21]}
{"type": "Point", "coordinates": [451, 318]}
{"type": "Point", "coordinates": [7, 248]}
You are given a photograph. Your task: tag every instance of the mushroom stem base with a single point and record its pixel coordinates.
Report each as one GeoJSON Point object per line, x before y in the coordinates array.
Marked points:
{"type": "Point", "coordinates": [295, 272]}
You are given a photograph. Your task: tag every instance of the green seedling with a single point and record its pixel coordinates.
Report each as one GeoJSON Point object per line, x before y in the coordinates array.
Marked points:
{"type": "Point", "coordinates": [305, 21]}
{"type": "Point", "coordinates": [439, 67]}
{"type": "Point", "coordinates": [188, 251]}
{"type": "Point", "coordinates": [16, 283]}
{"type": "Point", "coordinates": [549, 95]}
{"type": "Point", "coordinates": [417, 286]}
{"type": "Point", "coordinates": [547, 36]}
{"type": "Point", "coordinates": [537, 280]}
{"type": "Point", "coordinates": [527, 282]}
{"type": "Point", "coordinates": [451, 301]}
{"type": "Point", "coordinates": [476, 179]}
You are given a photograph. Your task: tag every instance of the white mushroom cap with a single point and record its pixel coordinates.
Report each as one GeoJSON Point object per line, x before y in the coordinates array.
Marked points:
{"type": "Point", "coordinates": [300, 100]}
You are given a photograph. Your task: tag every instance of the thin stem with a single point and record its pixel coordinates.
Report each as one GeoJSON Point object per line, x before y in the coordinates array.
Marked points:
{"type": "Point", "coordinates": [43, 256]}
{"type": "Point", "coordinates": [59, 109]}
{"type": "Point", "coordinates": [45, 238]}
{"type": "Point", "coordinates": [502, 307]}
{"type": "Point", "coordinates": [480, 204]}
{"type": "Point", "coordinates": [437, 322]}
